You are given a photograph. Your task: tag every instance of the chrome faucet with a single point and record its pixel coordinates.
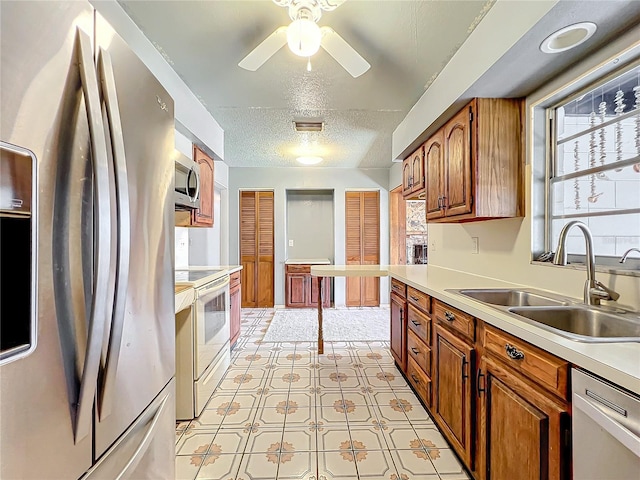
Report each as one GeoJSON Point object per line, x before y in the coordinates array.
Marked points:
{"type": "Point", "coordinates": [626, 254]}
{"type": "Point", "coordinates": [594, 291]}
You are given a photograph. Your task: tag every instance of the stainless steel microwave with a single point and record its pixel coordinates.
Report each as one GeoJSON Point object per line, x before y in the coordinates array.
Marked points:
{"type": "Point", "coordinates": [187, 183]}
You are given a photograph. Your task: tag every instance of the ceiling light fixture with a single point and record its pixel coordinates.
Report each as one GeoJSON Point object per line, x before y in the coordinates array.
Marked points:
{"type": "Point", "coordinates": [568, 37]}
{"type": "Point", "coordinates": [303, 34]}
{"type": "Point", "coordinates": [307, 160]}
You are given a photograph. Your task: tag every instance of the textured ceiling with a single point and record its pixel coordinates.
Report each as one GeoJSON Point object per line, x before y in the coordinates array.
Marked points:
{"type": "Point", "coordinates": [406, 42]}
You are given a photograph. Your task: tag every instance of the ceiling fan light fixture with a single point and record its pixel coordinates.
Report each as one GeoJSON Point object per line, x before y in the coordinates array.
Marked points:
{"type": "Point", "coordinates": [303, 37]}
{"type": "Point", "coordinates": [308, 160]}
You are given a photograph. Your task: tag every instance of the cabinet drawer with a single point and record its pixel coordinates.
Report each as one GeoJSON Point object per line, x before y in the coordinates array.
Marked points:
{"type": "Point", "coordinates": [234, 279]}
{"type": "Point", "coordinates": [454, 318]}
{"type": "Point", "coordinates": [419, 352]}
{"type": "Point", "coordinates": [419, 299]}
{"type": "Point", "coordinates": [298, 268]}
{"type": "Point", "coordinates": [398, 287]}
{"type": "Point", "coordinates": [421, 383]}
{"type": "Point", "coordinates": [419, 323]}
{"type": "Point", "coordinates": [542, 367]}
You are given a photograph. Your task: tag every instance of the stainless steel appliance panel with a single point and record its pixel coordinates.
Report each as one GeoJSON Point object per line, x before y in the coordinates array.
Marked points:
{"type": "Point", "coordinates": [44, 110]}
{"type": "Point", "coordinates": [142, 361]}
{"type": "Point", "coordinates": [606, 430]}
{"type": "Point", "coordinates": [187, 182]}
{"type": "Point", "coordinates": [141, 453]}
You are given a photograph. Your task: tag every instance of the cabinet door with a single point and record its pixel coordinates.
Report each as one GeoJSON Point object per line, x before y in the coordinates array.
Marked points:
{"type": "Point", "coordinates": [417, 170]}
{"type": "Point", "coordinates": [399, 331]}
{"type": "Point", "coordinates": [522, 431]}
{"type": "Point", "coordinates": [234, 313]}
{"type": "Point", "coordinates": [433, 171]}
{"type": "Point", "coordinates": [457, 175]}
{"type": "Point", "coordinates": [453, 394]}
{"type": "Point", "coordinates": [297, 295]}
{"type": "Point", "coordinates": [203, 216]}
{"type": "Point", "coordinates": [265, 294]}
{"type": "Point", "coordinates": [326, 287]}
{"type": "Point", "coordinates": [248, 248]}
{"type": "Point", "coordinates": [407, 180]}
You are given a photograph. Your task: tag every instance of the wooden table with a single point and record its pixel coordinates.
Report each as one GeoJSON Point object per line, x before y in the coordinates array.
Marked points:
{"type": "Point", "coordinates": [322, 271]}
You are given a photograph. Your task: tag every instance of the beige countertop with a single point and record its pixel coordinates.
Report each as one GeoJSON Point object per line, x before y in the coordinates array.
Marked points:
{"type": "Point", "coordinates": [616, 362]}
{"type": "Point", "coordinates": [350, 270]}
{"type": "Point", "coordinates": [308, 261]}
{"type": "Point", "coordinates": [217, 272]}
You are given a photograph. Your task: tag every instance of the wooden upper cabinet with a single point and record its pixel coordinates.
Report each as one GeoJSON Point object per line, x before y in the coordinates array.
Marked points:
{"type": "Point", "coordinates": [413, 175]}
{"type": "Point", "coordinates": [481, 169]}
{"type": "Point", "coordinates": [433, 168]}
{"type": "Point", "coordinates": [457, 172]}
{"type": "Point", "coordinates": [203, 216]}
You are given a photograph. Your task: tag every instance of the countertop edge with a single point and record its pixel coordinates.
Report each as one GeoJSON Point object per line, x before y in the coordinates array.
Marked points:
{"type": "Point", "coordinates": [585, 355]}
{"type": "Point", "coordinates": [308, 261]}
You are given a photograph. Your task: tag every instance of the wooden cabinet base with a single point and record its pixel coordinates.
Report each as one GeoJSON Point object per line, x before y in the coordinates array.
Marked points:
{"type": "Point", "coordinates": [301, 289]}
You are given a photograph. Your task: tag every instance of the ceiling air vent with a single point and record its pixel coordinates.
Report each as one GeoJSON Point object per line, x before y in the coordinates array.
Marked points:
{"type": "Point", "coordinates": [306, 126]}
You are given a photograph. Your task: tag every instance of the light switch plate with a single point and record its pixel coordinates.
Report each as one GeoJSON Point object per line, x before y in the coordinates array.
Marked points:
{"type": "Point", "coordinates": [291, 243]}
{"type": "Point", "coordinates": [474, 245]}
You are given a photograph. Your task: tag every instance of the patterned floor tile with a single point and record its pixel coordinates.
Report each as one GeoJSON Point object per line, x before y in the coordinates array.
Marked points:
{"type": "Point", "coordinates": [283, 411]}
{"type": "Point", "coordinates": [337, 466]}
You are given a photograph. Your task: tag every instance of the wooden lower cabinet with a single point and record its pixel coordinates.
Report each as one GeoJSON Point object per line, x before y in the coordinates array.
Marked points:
{"type": "Point", "coordinates": [301, 288]}
{"type": "Point", "coordinates": [399, 330]}
{"type": "Point", "coordinates": [523, 432]}
{"type": "Point", "coordinates": [453, 400]}
{"type": "Point", "coordinates": [235, 300]}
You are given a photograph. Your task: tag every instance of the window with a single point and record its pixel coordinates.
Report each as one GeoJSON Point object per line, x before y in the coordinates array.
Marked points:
{"type": "Point", "coordinates": [594, 170]}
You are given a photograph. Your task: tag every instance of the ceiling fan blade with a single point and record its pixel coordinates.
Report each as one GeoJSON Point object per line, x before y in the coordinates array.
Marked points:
{"type": "Point", "coordinates": [265, 50]}
{"type": "Point", "coordinates": [344, 53]}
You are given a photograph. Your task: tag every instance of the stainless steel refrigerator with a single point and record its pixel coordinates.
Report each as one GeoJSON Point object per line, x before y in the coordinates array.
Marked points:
{"type": "Point", "coordinates": [91, 392]}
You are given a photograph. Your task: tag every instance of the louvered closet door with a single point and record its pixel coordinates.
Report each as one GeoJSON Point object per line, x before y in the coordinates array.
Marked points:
{"type": "Point", "coordinates": [265, 250]}
{"type": "Point", "coordinates": [248, 247]}
{"type": "Point", "coordinates": [362, 245]}
{"type": "Point", "coordinates": [256, 248]}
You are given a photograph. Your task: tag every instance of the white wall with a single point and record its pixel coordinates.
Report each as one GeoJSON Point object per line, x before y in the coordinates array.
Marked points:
{"type": "Point", "coordinates": [505, 245]}
{"type": "Point", "coordinates": [339, 180]}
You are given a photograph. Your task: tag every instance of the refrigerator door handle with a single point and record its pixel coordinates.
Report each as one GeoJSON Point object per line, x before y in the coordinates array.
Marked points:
{"type": "Point", "coordinates": [84, 413]}
{"type": "Point", "coordinates": [108, 87]}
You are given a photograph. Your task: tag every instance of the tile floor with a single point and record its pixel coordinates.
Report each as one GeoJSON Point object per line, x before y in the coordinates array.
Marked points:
{"type": "Point", "coordinates": [284, 412]}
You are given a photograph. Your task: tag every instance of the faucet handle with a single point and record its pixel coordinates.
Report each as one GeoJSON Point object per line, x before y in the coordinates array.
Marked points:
{"type": "Point", "coordinates": [603, 292]}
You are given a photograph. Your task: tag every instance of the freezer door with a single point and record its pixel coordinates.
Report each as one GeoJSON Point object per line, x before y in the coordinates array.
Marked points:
{"type": "Point", "coordinates": [139, 353]}
{"type": "Point", "coordinates": [146, 451]}
{"type": "Point", "coordinates": [44, 111]}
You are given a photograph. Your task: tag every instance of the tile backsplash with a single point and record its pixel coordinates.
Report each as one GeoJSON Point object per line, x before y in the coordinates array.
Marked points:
{"type": "Point", "coordinates": [182, 247]}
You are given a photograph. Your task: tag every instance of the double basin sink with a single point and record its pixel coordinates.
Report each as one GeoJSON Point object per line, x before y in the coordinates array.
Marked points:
{"type": "Point", "coordinates": [572, 320]}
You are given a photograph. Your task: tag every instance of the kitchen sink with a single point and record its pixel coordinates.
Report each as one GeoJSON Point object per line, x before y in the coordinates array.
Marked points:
{"type": "Point", "coordinates": [510, 298]}
{"type": "Point", "coordinates": [584, 324]}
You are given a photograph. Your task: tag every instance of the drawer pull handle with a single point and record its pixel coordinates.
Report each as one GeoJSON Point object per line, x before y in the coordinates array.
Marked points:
{"type": "Point", "coordinates": [513, 352]}
{"type": "Point", "coordinates": [415, 350]}
{"type": "Point", "coordinates": [415, 299]}
{"type": "Point", "coordinates": [450, 317]}
{"type": "Point", "coordinates": [417, 324]}
{"type": "Point", "coordinates": [479, 377]}
{"type": "Point", "coordinates": [414, 378]}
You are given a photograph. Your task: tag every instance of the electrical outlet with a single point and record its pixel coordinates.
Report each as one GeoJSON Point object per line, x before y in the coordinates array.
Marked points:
{"type": "Point", "coordinates": [432, 246]}
{"type": "Point", "coordinates": [474, 245]}
{"type": "Point", "coordinates": [291, 243]}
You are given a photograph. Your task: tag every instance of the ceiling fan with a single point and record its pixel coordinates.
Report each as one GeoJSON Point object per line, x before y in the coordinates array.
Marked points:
{"type": "Point", "coordinates": [305, 37]}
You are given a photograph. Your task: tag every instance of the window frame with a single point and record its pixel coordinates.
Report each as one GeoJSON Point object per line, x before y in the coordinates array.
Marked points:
{"type": "Point", "coordinates": [547, 106]}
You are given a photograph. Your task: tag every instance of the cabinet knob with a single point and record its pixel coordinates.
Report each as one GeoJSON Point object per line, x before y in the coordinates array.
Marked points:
{"type": "Point", "coordinates": [417, 324]}
{"type": "Point", "coordinates": [449, 317]}
{"type": "Point", "coordinates": [414, 378]}
{"type": "Point", "coordinates": [415, 350]}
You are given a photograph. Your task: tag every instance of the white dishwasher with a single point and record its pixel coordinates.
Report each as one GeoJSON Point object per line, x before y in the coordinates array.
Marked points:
{"type": "Point", "coordinates": [606, 430]}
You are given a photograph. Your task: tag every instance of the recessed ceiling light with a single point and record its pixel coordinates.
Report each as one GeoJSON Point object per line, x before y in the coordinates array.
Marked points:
{"type": "Point", "coordinates": [309, 160]}
{"type": "Point", "coordinates": [568, 37]}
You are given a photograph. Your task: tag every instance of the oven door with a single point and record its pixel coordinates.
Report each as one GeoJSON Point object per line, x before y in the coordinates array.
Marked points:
{"type": "Point", "coordinates": [212, 323]}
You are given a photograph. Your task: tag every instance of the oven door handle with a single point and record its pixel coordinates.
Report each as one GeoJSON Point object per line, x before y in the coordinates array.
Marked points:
{"type": "Point", "coordinates": [216, 285]}
{"type": "Point", "coordinates": [625, 436]}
